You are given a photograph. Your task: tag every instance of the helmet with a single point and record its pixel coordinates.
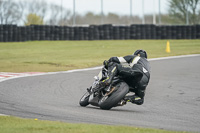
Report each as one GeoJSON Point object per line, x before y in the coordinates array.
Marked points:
{"type": "Point", "coordinates": [141, 53]}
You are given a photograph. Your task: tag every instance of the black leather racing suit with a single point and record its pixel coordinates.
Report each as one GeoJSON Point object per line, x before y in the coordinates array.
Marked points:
{"type": "Point", "coordinates": [135, 71]}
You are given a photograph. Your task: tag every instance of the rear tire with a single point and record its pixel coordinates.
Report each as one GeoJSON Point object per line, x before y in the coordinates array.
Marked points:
{"type": "Point", "coordinates": [84, 100]}
{"type": "Point", "coordinates": [119, 93]}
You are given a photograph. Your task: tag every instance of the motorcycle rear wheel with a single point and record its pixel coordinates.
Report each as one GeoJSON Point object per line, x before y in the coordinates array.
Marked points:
{"type": "Point", "coordinates": [107, 102]}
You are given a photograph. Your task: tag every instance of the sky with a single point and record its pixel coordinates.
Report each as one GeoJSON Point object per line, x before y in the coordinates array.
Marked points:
{"type": "Point", "coordinates": [121, 7]}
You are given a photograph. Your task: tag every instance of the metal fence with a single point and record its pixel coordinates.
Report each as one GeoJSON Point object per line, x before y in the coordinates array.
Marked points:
{"type": "Point", "coordinates": [14, 33]}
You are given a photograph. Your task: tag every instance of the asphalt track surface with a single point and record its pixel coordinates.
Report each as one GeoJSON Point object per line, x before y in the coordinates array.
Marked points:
{"type": "Point", "coordinates": [172, 98]}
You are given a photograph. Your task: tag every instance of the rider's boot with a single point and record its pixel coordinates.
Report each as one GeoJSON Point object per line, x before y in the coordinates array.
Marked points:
{"type": "Point", "coordinates": [134, 99]}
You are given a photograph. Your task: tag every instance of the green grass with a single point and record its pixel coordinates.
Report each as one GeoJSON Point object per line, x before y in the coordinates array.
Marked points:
{"type": "Point", "coordinates": [10, 124]}
{"type": "Point", "coordinates": [45, 56]}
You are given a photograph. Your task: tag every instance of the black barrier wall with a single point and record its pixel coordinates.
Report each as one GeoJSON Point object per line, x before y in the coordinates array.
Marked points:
{"type": "Point", "coordinates": [13, 33]}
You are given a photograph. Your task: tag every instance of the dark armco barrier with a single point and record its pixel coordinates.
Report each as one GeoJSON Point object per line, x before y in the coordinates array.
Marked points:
{"type": "Point", "coordinates": [14, 33]}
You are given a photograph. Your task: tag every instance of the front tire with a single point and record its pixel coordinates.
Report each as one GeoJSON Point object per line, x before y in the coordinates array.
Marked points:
{"type": "Point", "coordinates": [84, 100]}
{"type": "Point", "coordinates": [107, 102]}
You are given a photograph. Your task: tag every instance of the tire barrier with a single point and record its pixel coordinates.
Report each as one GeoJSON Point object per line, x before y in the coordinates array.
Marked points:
{"type": "Point", "coordinates": [14, 33]}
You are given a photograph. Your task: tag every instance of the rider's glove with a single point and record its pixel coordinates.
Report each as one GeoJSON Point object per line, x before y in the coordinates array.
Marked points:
{"type": "Point", "coordinates": [105, 63]}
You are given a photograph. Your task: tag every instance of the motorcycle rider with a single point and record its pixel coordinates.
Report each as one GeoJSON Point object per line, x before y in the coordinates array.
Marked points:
{"type": "Point", "coordinates": [134, 69]}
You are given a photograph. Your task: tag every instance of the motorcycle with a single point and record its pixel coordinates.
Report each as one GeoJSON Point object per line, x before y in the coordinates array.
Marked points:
{"type": "Point", "coordinates": [105, 97]}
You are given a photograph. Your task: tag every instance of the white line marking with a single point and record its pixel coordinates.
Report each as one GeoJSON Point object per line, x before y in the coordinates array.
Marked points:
{"type": "Point", "coordinates": [173, 57]}
{"type": "Point", "coordinates": [3, 115]}
{"type": "Point", "coordinates": [94, 68]}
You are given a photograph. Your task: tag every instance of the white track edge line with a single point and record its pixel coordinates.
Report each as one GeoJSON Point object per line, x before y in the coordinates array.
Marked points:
{"type": "Point", "coordinates": [95, 68]}
{"type": "Point", "coordinates": [173, 57]}
{"type": "Point", "coordinates": [3, 115]}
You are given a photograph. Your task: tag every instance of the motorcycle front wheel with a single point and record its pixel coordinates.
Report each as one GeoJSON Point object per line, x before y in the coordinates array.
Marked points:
{"type": "Point", "coordinates": [84, 100]}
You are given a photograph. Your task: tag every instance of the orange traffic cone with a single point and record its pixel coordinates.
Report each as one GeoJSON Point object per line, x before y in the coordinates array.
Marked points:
{"type": "Point", "coordinates": [168, 47]}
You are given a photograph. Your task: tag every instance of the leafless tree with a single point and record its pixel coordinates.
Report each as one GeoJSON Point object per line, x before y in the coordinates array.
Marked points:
{"type": "Point", "coordinates": [56, 16]}
{"type": "Point", "coordinates": [194, 5]}
{"type": "Point", "coordinates": [181, 9]}
{"type": "Point", "coordinates": [10, 12]}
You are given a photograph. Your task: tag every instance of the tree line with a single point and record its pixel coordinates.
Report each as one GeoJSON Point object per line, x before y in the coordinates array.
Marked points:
{"type": "Point", "coordinates": [43, 13]}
